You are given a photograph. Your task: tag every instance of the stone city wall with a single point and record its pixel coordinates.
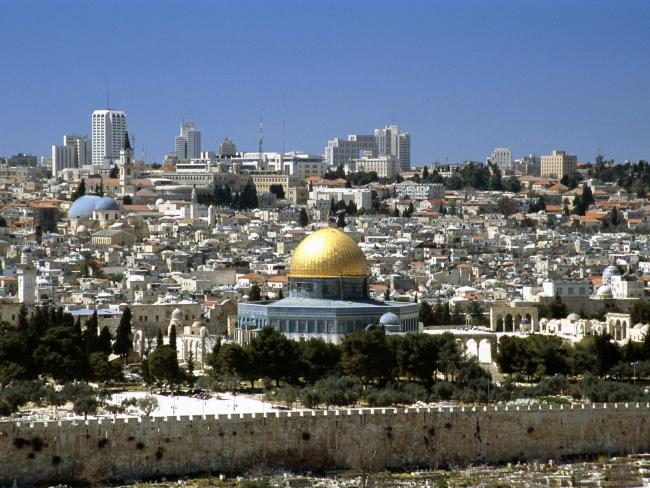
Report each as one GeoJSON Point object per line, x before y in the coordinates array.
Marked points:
{"type": "Point", "coordinates": [366, 439]}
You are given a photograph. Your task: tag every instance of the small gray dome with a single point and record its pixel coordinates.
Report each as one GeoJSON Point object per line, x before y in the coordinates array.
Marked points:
{"type": "Point", "coordinates": [107, 203]}
{"type": "Point", "coordinates": [389, 318]}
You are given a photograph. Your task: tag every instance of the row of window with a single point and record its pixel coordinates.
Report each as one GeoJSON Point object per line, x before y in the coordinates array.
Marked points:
{"type": "Point", "coordinates": [295, 326]}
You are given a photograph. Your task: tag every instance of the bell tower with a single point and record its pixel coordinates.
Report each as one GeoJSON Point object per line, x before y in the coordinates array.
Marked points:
{"type": "Point", "coordinates": [126, 167]}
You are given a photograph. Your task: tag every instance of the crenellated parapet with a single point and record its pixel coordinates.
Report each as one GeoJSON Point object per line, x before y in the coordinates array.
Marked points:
{"type": "Point", "coordinates": [127, 448]}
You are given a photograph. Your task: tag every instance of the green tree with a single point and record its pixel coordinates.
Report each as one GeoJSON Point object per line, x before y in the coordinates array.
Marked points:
{"type": "Point", "coordinates": [255, 295]}
{"type": "Point", "coordinates": [277, 190]}
{"type": "Point", "coordinates": [366, 354]}
{"type": "Point", "coordinates": [450, 355]}
{"type": "Point", "coordinates": [319, 359]}
{"type": "Point", "coordinates": [101, 369]}
{"type": "Point", "coordinates": [163, 365]}
{"type": "Point", "coordinates": [91, 334]}
{"type": "Point", "coordinates": [340, 220]}
{"type": "Point", "coordinates": [274, 355]}
{"type": "Point", "coordinates": [557, 309]}
{"type": "Point", "coordinates": [147, 404]}
{"type": "Point", "coordinates": [426, 315]}
{"type": "Point", "coordinates": [416, 356]}
{"type": "Point", "coordinates": [595, 354]}
{"type": "Point", "coordinates": [234, 361]}
{"type": "Point", "coordinates": [86, 405]}
{"type": "Point", "coordinates": [80, 191]}
{"type": "Point", "coordinates": [172, 337]}
{"type": "Point", "coordinates": [512, 185]}
{"type": "Point", "coordinates": [104, 341]}
{"type": "Point", "coordinates": [189, 376]}
{"type": "Point", "coordinates": [60, 353]}
{"type": "Point", "coordinates": [303, 218]}
{"type": "Point", "coordinates": [510, 355]}
{"type": "Point", "coordinates": [507, 206]}
{"type": "Point", "coordinates": [123, 339]}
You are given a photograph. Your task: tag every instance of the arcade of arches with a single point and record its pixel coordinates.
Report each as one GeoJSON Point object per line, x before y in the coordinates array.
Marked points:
{"type": "Point", "coordinates": [508, 318]}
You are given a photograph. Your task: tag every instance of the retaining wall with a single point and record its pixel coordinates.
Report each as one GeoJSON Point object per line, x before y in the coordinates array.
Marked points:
{"type": "Point", "coordinates": [368, 439]}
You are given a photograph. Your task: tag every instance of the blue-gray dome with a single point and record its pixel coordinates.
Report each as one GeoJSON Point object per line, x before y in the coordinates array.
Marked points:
{"type": "Point", "coordinates": [83, 207]}
{"type": "Point", "coordinates": [389, 318]}
{"type": "Point", "coordinates": [611, 271]}
{"type": "Point", "coordinates": [107, 203]}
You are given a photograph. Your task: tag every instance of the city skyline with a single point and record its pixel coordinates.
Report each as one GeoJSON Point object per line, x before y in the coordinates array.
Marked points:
{"type": "Point", "coordinates": [466, 78]}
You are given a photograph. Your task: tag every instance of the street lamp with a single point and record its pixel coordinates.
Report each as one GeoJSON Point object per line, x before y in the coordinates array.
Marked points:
{"type": "Point", "coordinates": [634, 363]}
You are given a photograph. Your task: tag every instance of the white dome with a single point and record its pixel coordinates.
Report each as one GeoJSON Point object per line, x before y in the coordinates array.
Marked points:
{"type": "Point", "coordinates": [177, 314]}
{"type": "Point", "coordinates": [611, 271]}
{"type": "Point", "coordinates": [574, 317]}
{"type": "Point", "coordinates": [604, 292]}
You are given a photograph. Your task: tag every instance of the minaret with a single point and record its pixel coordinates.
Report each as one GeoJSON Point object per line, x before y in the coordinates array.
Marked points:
{"type": "Point", "coordinates": [212, 216]}
{"type": "Point", "coordinates": [26, 278]}
{"type": "Point", "coordinates": [194, 206]}
{"type": "Point", "coordinates": [126, 166]}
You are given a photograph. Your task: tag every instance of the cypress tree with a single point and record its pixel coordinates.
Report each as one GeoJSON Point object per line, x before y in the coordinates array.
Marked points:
{"type": "Point", "coordinates": [172, 337]}
{"type": "Point", "coordinates": [80, 191]}
{"type": "Point", "coordinates": [255, 295]}
{"type": "Point", "coordinates": [104, 341]}
{"type": "Point", "coordinates": [123, 344]}
{"type": "Point", "coordinates": [303, 219]}
{"type": "Point", "coordinates": [340, 220]}
{"type": "Point", "coordinates": [159, 340]}
{"type": "Point", "coordinates": [91, 334]}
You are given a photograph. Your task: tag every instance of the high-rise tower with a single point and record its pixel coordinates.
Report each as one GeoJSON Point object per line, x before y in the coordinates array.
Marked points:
{"type": "Point", "coordinates": [188, 142]}
{"type": "Point", "coordinates": [109, 127]}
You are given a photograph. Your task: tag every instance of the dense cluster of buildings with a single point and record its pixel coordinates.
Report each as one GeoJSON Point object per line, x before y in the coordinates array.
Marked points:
{"type": "Point", "coordinates": [143, 237]}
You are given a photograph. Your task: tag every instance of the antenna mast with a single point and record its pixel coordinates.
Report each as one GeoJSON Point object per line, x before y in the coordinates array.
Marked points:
{"type": "Point", "coordinates": [284, 116]}
{"type": "Point", "coordinates": [261, 141]}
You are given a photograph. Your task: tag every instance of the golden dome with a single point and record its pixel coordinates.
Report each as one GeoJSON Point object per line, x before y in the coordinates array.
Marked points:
{"type": "Point", "coordinates": [328, 253]}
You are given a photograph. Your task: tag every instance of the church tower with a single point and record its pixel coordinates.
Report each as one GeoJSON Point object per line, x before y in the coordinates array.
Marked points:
{"type": "Point", "coordinates": [26, 275]}
{"type": "Point", "coordinates": [126, 167]}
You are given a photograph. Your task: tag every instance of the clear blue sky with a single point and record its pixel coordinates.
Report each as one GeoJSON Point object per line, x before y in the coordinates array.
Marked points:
{"type": "Point", "coordinates": [461, 76]}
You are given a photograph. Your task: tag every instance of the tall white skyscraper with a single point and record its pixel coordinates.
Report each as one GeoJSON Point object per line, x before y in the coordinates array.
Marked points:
{"type": "Point", "coordinates": [109, 127]}
{"type": "Point", "coordinates": [188, 142]}
{"type": "Point", "coordinates": [502, 157]}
